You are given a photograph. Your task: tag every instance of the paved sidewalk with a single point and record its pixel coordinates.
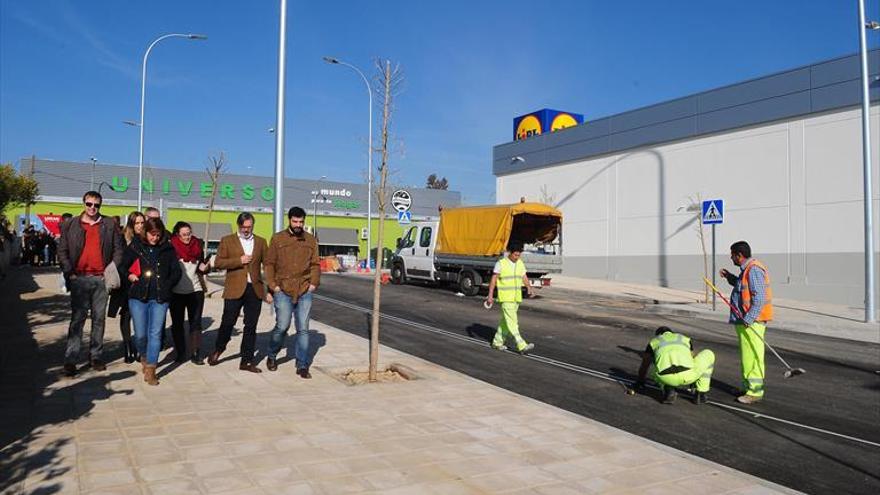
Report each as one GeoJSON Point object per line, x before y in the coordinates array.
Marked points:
{"type": "Point", "coordinates": [217, 429]}
{"type": "Point", "coordinates": [831, 320]}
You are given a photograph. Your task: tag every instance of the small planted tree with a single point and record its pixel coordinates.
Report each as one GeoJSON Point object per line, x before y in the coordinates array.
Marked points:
{"type": "Point", "coordinates": [16, 189]}
{"type": "Point", "coordinates": [387, 85]}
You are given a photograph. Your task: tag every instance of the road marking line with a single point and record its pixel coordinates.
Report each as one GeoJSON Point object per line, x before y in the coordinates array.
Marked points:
{"type": "Point", "coordinates": [580, 369]}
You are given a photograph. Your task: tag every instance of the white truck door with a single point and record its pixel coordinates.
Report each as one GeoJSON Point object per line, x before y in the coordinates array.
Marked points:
{"type": "Point", "coordinates": [421, 264]}
{"type": "Point", "coordinates": [407, 246]}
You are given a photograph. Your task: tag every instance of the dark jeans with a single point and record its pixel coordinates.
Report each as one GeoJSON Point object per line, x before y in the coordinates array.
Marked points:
{"type": "Point", "coordinates": [125, 330]}
{"type": "Point", "coordinates": [231, 309]}
{"type": "Point", "coordinates": [88, 294]}
{"type": "Point", "coordinates": [181, 305]}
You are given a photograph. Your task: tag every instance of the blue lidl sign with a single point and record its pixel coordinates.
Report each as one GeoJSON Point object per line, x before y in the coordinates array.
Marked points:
{"type": "Point", "coordinates": [544, 120]}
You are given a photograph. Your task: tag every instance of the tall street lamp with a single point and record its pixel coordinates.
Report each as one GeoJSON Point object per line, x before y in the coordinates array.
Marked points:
{"type": "Point", "coordinates": [870, 312]}
{"type": "Point", "coordinates": [94, 162]}
{"type": "Point", "coordinates": [332, 60]}
{"type": "Point", "coordinates": [143, 98]}
{"type": "Point", "coordinates": [315, 200]}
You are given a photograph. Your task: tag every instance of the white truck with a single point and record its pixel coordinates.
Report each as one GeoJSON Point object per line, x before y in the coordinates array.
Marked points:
{"type": "Point", "coordinates": [463, 246]}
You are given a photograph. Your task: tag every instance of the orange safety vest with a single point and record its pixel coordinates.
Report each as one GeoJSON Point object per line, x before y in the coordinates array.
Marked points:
{"type": "Point", "coordinates": [767, 310]}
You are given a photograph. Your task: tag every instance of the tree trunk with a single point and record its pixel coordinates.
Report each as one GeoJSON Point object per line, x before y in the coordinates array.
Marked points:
{"type": "Point", "coordinates": [380, 239]}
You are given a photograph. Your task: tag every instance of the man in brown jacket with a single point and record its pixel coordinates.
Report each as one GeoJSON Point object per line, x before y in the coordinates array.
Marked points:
{"type": "Point", "coordinates": [88, 244]}
{"type": "Point", "coordinates": [241, 255]}
{"type": "Point", "coordinates": [293, 272]}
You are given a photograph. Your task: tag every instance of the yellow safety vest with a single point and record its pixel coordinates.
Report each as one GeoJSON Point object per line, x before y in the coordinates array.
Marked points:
{"type": "Point", "coordinates": [510, 280]}
{"type": "Point", "coordinates": [672, 349]}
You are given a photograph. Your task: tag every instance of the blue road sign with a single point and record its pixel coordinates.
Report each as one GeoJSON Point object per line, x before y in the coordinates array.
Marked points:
{"type": "Point", "coordinates": [404, 217]}
{"type": "Point", "coordinates": [713, 211]}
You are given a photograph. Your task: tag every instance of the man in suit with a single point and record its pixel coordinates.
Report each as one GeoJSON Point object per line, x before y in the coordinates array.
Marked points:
{"type": "Point", "coordinates": [241, 255]}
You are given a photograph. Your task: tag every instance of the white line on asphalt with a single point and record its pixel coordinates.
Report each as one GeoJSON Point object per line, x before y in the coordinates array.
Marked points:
{"type": "Point", "coordinates": [586, 371]}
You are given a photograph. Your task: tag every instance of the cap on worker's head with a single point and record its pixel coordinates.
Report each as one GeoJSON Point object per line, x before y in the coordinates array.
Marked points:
{"type": "Point", "coordinates": [515, 247]}
{"type": "Point", "coordinates": [662, 330]}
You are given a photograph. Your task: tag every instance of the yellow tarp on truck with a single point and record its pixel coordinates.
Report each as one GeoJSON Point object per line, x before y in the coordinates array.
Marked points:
{"type": "Point", "coordinates": [487, 230]}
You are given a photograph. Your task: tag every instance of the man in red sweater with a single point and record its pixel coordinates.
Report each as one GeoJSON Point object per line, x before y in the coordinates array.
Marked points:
{"type": "Point", "coordinates": [88, 244]}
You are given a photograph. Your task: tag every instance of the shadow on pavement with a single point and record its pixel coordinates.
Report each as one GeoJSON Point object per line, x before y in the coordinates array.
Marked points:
{"type": "Point", "coordinates": [35, 396]}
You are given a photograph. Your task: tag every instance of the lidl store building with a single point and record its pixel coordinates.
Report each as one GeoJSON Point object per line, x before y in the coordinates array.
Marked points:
{"type": "Point", "coordinates": [783, 152]}
{"type": "Point", "coordinates": [337, 211]}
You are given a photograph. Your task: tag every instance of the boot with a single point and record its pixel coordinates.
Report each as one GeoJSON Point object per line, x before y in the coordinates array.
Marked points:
{"type": "Point", "coordinates": [143, 361]}
{"type": "Point", "coordinates": [670, 395]}
{"type": "Point", "coordinates": [701, 398]}
{"type": "Point", "coordinates": [150, 375]}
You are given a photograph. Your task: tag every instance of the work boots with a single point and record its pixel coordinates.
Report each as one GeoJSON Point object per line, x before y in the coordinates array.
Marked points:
{"type": "Point", "coordinates": [669, 395]}
{"type": "Point", "coordinates": [701, 398]}
{"type": "Point", "coordinates": [150, 375]}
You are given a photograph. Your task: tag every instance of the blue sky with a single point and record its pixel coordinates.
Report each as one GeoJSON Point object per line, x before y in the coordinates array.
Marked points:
{"type": "Point", "coordinates": [70, 73]}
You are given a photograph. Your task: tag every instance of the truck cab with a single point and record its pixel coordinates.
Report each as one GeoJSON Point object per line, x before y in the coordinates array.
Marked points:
{"type": "Point", "coordinates": [415, 252]}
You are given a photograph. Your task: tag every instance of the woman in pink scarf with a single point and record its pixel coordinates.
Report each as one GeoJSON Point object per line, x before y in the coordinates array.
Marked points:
{"type": "Point", "coordinates": [189, 295]}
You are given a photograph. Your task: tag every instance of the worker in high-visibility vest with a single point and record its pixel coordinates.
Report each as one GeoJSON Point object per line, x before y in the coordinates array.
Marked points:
{"type": "Point", "coordinates": [509, 277]}
{"type": "Point", "coordinates": [675, 365]}
{"type": "Point", "coordinates": [753, 297]}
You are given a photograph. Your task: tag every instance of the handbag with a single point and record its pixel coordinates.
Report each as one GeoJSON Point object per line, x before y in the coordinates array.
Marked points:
{"type": "Point", "coordinates": [111, 277]}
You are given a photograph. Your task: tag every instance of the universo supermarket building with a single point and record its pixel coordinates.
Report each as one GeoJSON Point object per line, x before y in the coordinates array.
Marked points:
{"type": "Point", "coordinates": [339, 209]}
{"type": "Point", "coordinates": [784, 153]}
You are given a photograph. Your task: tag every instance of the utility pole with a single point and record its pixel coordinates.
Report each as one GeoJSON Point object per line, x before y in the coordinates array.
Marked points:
{"type": "Point", "coordinates": [870, 294]}
{"type": "Point", "coordinates": [27, 207]}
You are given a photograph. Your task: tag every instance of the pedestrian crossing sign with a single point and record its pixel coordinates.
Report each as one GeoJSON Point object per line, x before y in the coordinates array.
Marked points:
{"type": "Point", "coordinates": [404, 217]}
{"type": "Point", "coordinates": [713, 211]}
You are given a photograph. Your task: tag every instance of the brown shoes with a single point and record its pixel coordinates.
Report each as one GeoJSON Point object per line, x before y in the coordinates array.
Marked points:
{"type": "Point", "coordinates": [271, 364]}
{"type": "Point", "coordinates": [304, 373]}
{"type": "Point", "coordinates": [98, 365]}
{"type": "Point", "coordinates": [150, 375]}
{"type": "Point", "coordinates": [249, 367]}
{"type": "Point", "coordinates": [214, 358]}
{"type": "Point", "coordinates": [748, 399]}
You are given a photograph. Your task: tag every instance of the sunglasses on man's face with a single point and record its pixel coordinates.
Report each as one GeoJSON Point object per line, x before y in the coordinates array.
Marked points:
{"type": "Point", "coordinates": [89, 204]}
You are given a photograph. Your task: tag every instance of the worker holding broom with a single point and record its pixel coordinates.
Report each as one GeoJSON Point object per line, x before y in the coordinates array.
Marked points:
{"type": "Point", "coordinates": [752, 297]}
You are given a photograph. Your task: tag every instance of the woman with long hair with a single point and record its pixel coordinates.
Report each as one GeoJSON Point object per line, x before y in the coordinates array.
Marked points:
{"type": "Point", "coordinates": [134, 226]}
{"type": "Point", "coordinates": [150, 270]}
{"type": "Point", "coordinates": [188, 295]}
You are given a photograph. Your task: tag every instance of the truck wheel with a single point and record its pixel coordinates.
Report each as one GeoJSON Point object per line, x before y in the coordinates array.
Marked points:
{"type": "Point", "coordinates": [469, 283]}
{"type": "Point", "coordinates": [398, 276]}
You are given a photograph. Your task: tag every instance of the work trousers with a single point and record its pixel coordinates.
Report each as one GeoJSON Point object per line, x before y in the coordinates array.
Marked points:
{"type": "Point", "coordinates": [751, 350]}
{"type": "Point", "coordinates": [182, 305]}
{"type": "Point", "coordinates": [285, 310]}
{"type": "Point", "coordinates": [231, 309]}
{"type": "Point", "coordinates": [700, 375]}
{"type": "Point", "coordinates": [88, 295]}
{"type": "Point", "coordinates": [509, 325]}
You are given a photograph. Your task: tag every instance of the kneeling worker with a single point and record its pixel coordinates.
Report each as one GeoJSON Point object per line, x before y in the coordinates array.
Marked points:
{"type": "Point", "coordinates": [675, 366]}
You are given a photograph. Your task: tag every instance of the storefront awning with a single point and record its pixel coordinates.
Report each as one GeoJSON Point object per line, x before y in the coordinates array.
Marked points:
{"type": "Point", "coordinates": [337, 237]}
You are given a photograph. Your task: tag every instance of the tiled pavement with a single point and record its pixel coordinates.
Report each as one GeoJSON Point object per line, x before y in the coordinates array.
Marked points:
{"type": "Point", "coordinates": [220, 430]}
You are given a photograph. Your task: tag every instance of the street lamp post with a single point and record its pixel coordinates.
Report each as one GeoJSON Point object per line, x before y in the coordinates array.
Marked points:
{"type": "Point", "coordinates": [315, 201]}
{"type": "Point", "coordinates": [143, 100]}
{"type": "Point", "coordinates": [870, 312]}
{"type": "Point", "coordinates": [278, 215]}
{"type": "Point", "coordinates": [94, 162]}
{"type": "Point", "coordinates": [331, 60]}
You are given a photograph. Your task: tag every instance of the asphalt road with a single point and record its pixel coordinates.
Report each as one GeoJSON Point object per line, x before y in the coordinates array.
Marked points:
{"type": "Point", "coordinates": [580, 339]}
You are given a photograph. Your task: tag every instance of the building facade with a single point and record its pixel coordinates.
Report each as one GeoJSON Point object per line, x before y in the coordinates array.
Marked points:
{"type": "Point", "coordinates": [336, 210]}
{"type": "Point", "coordinates": [784, 153]}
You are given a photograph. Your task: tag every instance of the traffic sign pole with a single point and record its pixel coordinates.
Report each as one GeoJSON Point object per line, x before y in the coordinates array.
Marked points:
{"type": "Point", "coordinates": [713, 266]}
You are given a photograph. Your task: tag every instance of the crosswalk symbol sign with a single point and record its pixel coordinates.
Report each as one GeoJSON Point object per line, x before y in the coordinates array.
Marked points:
{"type": "Point", "coordinates": [713, 211]}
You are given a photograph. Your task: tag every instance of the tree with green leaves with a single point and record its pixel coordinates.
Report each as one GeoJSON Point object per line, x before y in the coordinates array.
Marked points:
{"type": "Point", "coordinates": [16, 189]}
{"type": "Point", "coordinates": [434, 182]}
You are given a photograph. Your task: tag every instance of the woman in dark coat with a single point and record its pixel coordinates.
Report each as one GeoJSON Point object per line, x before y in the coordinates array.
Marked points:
{"type": "Point", "coordinates": [134, 227]}
{"type": "Point", "coordinates": [150, 270]}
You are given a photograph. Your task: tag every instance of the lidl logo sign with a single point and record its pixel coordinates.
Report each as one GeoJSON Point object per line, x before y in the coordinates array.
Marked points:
{"type": "Point", "coordinates": [544, 120]}
{"type": "Point", "coordinates": [529, 126]}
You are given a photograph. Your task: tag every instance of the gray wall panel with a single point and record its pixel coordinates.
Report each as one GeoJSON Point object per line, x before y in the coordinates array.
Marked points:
{"type": "Point", "coordinates": [758, 89]}
{"type": "Point", "coordinates": [667, 131]}
{"type": "Point", "coordinates": [842, 94]}
{"type": "Point", "coordinates": [842, 69]}
{"type": "Point", "coordinates": [576, 150]}
{"type": "Point", "coordinates": [655, 114]}
{"type": "Point", "coordinates": [764, 110]}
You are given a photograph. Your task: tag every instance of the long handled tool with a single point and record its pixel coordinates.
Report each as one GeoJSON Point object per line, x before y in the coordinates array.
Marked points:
{"type": "Point", "coordinates": [789, 371]}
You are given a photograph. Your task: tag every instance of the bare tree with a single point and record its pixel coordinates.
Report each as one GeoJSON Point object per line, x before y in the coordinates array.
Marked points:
{"type": "Point", "coordinates": [547, 197]}
{"type": "Point", "coordinates": [388, 83]}
{"type": "Point", "coordinates": [434, 182]}
{"type": "Point", "coordinates": [214, 169]}
{"type": "Point", "coordinates": [695, 206]}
